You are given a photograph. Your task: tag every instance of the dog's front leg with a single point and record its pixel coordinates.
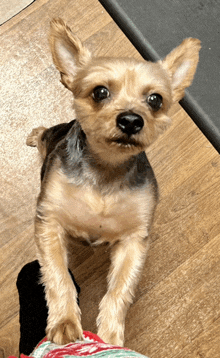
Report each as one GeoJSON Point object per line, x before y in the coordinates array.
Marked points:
{"type": "Point", "coordinates": [127, 259]}
{"type": "Point", "coordinates": [63, 323]}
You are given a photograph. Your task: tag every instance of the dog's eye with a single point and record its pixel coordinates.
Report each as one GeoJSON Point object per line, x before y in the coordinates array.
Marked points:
{"type": "Point", "coordinates": [155, 101]}
{"type": "Point", "coordinates": [100, 93]}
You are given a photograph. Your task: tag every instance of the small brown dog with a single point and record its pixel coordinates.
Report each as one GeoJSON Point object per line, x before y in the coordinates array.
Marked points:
{"type": "Point", "coordinates": [97, 184]}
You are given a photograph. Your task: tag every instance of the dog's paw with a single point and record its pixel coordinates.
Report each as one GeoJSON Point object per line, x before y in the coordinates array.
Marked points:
{"type": "Point", "coordinates": [33, 137]}
{"type": "Point", "coordinates": [113, 337]}
{"type": "Point", "coordinates": [64, 332]}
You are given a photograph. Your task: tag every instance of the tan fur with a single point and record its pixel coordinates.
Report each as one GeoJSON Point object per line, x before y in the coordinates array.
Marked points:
{"type": "Point", "coordinates": [129, 84]}
{"type": "Point", "coordinates": [34, 140]}
{"type": "Point", "coordinates": [86, 213]}
{"type": "Point", "coordinates": [118, 215]}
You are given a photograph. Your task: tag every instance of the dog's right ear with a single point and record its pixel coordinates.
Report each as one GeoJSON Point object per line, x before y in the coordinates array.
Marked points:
{"type": "Point", "coordinates": [68, 52]}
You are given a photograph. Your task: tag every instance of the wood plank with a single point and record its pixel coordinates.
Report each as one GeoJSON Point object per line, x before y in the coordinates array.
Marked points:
{"type": "Point", "coordinates": [174, 160]}
{"type": "Point", "coordinates": [9, 337]}
{"type": "Point", "coordinates": [185, 304]}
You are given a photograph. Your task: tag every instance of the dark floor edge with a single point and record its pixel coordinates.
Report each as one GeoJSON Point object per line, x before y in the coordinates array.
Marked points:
{"type": "Point", "coordinates": [130, 30]}
{"type": "Point", "coordinates": [206, 126]}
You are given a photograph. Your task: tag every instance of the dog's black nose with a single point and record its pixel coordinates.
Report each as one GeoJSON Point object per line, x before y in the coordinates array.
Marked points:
{"type": "Point", "coordinates": [130, 123]}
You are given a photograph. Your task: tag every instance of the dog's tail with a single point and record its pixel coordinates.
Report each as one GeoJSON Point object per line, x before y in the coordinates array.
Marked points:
{"type": "Point", "coordinates": [35, 136]}
{"type": "Point", "coordinates": [34, 139]}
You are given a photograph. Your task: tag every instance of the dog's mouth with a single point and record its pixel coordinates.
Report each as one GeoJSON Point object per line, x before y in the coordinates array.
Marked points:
{"type": "Point", "coordinates": [125, 142]}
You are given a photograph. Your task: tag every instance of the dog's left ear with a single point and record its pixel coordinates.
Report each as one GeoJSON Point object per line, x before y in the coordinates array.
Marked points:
{"type": "Point", "coordinates": [181, 64]}
{"type": "Point", "coordinates": [68, 52]}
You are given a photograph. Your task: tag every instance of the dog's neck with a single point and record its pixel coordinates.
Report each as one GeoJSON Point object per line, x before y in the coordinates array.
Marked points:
{"type": "Point", "coordinates": [81, 163]}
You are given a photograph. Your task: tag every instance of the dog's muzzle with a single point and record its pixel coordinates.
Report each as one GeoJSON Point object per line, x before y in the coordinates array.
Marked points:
{"type": "Point", "coordinates": [129, 123]}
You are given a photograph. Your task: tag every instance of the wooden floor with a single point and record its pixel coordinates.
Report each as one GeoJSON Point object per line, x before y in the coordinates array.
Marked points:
{"type": "Point", "coordinates": [176, 312]}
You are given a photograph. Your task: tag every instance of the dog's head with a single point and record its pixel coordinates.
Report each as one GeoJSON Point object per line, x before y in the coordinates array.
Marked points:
{"type": "Point", "coordinates": [121, 103]}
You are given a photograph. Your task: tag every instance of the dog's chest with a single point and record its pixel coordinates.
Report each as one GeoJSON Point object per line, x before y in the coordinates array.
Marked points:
{"type": "Point", "coordinates": [100, 217]}
{"type": "Point", "coordinates": [88, 214]}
